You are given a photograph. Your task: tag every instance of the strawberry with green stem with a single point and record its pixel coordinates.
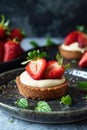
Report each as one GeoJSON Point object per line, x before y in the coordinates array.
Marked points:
{"type": "Point", "coordinates": [55, 69]}
{"type": "Point", "coordinates": [36, 64]}
{"type": "Point", "coordinates": [12, 49]}
{"type": "Point", "coordinates": [4, 26]}
{"type": "Point", "coordinates": [17, 33]}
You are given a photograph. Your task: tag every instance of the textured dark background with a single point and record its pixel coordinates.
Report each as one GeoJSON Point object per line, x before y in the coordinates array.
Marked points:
{"type": "Point", "coordinates": [40, 18]}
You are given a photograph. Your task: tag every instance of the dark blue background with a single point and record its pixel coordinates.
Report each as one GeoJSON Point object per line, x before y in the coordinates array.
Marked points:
{"type": "Point", "coordinates": [40, 18]}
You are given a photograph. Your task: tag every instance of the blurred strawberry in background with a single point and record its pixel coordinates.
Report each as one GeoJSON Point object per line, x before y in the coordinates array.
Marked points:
{"type": "Point", "coordinates": [10, 40]}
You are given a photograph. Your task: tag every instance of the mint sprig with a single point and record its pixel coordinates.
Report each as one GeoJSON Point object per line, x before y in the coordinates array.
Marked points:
{"type": "Point", "coordinates": [82, 85]}
{"type": "Point", "coordinates": [23, 103]}
{"type": "Point", "coordinates": [43, 106]}
{"type": "Point", "coordinates": [66, 100]}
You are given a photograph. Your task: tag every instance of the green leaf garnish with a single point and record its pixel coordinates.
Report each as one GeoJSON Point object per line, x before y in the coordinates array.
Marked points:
{"type": "Point", "coordinates": [66, 100]}
{"type": "Point", "coordinates": [67, 66]}
{"type": "Point", "coordinates": [34, 44]}
{"type": "Point", "coordinates": [74, 61]}
{"type": "Point", "coordinates": [10, 120]}
{"type": "Point", "coordinates": [49, 42]}
{"type": "Point", "coordinates": [85, 96]}
{"type": "Point", "coordinates": [23, 103]}
{"type": "Point", "coordinates": [34, 55]}
{"type": "Point", "coordinates": [82, 85]}
{"type": "Point", "coordinates": [43, 106]}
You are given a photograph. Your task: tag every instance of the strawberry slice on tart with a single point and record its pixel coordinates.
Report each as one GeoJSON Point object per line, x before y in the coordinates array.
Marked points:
{"type": "Point", "coordinates": [36, 64]}
{"type": "Point", "coordinates": [55, 69]}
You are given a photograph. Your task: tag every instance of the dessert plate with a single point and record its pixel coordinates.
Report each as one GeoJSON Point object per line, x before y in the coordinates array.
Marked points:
{"type": "Point", "coordinates": [60, 113]}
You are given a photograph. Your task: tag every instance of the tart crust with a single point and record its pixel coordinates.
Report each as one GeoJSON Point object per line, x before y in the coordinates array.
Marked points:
{"type": "Point", "coordinates": [41, 93]}
{"type": "Point", "coordinates": [69, 54]}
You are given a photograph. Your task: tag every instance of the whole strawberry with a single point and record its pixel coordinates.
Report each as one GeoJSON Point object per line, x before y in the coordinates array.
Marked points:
{"type": "Point", "coordinates": [82, 39]}
{"type": "Point", "coordinates": [12, 49]}
{"type": "Point", "coordinates": [83, 61]}
{"type": "Point", "coordinates": [17, 33]}
{"type": "Point", "coordinates": [1, 51]}
{"type": "Point", "coordinates": [4, 26]}
{"type": "Point", "coordinates": [71, 37]}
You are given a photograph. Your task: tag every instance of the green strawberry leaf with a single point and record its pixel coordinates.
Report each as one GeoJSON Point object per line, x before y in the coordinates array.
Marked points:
{"type": "Point", "coordinates": [34, 55]}
{"type": "Point", "coordinates": [59, 59]}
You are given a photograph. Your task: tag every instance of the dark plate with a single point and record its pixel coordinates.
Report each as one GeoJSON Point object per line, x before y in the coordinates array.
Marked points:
{"type": "Point", "coordinates": [60, 113]}
{"type": "Point", "coordinates": [5, 66]}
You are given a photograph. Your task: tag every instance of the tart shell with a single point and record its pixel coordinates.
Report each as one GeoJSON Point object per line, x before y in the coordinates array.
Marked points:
{"type": "Point", "coordinates": [41, 93]}
{"type": "Point", "coordinates": [69, 54]}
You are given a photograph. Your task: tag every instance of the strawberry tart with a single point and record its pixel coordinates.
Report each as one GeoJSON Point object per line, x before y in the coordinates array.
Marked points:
{"type": "Point", "coordinates": [75, 44]}
{"type": "Point", "coordinates": [42, 79]}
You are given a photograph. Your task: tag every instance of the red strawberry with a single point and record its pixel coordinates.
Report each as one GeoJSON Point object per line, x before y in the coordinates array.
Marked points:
{"type": "Point", "coordinates": [17, 33]}
{"type": "Point", "coordinates": [1, 51]}
{"type": "Point", "coordinates": [12, 49]}
{"type": "Point", "coordinates": [82, 40]}
{"type": "Point", "coordinates": [36, 68]}
{"type": "Point", "coordinates": [71, 37]}
{"type": "Point", "coordinates": [53, 70]}
{"type": "Point", "coordinates": [3, 27]}
{"type": "Point", "coordinates": [83, 61]}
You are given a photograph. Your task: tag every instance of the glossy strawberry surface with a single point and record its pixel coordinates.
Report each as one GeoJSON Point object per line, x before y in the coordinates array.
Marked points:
{"type": "Point", "coordinates": [36, 68]}
{"type": "Point", "coordinates": [83, 61]}
{"type": "Point", "coordinates": [53, 70]}
{"type": "Point", "coordinates": [11, 50]}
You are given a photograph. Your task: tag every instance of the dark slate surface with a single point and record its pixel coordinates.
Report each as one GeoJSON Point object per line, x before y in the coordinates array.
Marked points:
{"type": "Point", "coordinates": [45, 17]}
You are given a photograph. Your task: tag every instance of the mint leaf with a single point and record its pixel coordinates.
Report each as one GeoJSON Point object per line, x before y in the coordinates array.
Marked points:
{"type": "Point", "coordinates": [66, 100]}
{"type": "Point", "coordinates": [23, 103]}
{"type": "Point", "coordinates": [43, 106]}
{"type": "Point", "coordinates": [74, 61]}
{"type": "Point", "coordinates": [82, 85]}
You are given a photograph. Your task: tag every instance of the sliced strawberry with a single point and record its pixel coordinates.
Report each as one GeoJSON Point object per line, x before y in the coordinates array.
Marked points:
{"type": "Point", "coordinates": [71, 37]}
{"type": "Point", "coordinates": [1, 51]}
{"type": "Point", "coordinates": [53, 70]}
{"type": "Point", "coordinates": [12, 50]}
{"type": "Point", "coordinates": [82, 40]}
{"type": "Point", "coordinates": [17, 33]}
{"type": "Point", "coordinates": [36, 68]}
{"type": "Point", "coordinates": [83, 61]}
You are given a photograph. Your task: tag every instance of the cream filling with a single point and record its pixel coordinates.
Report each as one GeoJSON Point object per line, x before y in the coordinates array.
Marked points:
{"type": "Point", "coordinates": [73, 47]}
{"type": "Point", "coordinates": [26, 79]}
